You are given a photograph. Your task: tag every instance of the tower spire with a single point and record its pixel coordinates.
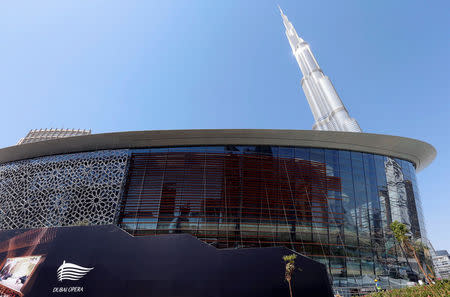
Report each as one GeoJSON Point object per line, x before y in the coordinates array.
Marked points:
{"type": "Point", "coordinates": [327, 108]}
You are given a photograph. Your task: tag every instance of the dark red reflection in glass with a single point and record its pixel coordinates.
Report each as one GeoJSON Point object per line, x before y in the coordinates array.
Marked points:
{"type": "Point", "coordinates": [234, 200]}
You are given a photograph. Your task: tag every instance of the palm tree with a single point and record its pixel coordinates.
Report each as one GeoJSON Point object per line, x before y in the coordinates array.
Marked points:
{"type": "Point", "coordinates": [290, 267]}
{"type": "Point", "coordinates": [401, 235]}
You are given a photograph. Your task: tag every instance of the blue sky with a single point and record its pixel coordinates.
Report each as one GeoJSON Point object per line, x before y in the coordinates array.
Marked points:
{"type": "Point", "coordinates": [145, 65]}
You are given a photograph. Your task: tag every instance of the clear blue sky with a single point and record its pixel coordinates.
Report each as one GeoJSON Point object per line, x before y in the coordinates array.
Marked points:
{"type": "Point", "coordinates": [144, 65]}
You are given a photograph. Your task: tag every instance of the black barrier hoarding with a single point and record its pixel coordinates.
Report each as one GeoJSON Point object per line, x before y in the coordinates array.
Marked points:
{"type": "Point", "coordinates": [106, 261]}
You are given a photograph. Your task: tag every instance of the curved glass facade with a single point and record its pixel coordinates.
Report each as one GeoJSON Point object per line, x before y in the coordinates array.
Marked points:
{"type": "Point", "coordinates": [332, 205]}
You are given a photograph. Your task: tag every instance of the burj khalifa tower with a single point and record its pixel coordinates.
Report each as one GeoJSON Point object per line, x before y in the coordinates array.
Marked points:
{"type": "Point", "coordinates": [328, 110]}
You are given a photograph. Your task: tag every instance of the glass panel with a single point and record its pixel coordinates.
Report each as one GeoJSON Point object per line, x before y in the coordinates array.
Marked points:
{"type": "Point", "coordinates": [333, 205]}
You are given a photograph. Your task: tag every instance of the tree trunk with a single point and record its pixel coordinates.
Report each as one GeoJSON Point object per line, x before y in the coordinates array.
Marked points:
{"type": "Point", "coordinates": [431, 271]}
{"type": "Point", "coordinates": [418, 263]}
{"type": "Point", "coordinates": [406, 256]}
{"type": "Point", "coordinates": [290, 288]}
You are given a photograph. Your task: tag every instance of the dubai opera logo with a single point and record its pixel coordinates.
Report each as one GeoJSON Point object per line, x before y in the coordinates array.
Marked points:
{"type": "Point", "coordinates": [70, 271]}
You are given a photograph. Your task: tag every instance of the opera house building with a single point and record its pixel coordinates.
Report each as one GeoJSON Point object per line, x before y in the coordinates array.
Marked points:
{"type": "Point", "coordinates": [328, 195]}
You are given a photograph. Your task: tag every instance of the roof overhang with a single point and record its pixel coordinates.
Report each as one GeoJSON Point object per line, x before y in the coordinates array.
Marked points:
{"type": "Point", "coordinates": [416, 151]}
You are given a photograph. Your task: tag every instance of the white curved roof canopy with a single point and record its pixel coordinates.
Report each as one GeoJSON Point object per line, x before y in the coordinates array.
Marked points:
{"type": "Point", "coordinates": [416, 151]}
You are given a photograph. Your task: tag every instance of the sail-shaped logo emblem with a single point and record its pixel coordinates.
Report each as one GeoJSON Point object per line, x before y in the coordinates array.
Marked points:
{"type": "Point", "coordinates": [70, 271]}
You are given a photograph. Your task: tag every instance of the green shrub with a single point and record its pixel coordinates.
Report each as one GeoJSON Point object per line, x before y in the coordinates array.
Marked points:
{"type": "Point", "coordinates": [439, 289]}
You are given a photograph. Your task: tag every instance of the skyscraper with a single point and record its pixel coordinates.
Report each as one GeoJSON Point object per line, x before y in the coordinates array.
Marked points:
{"type": "Point", "coordinates": [328, 110]}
